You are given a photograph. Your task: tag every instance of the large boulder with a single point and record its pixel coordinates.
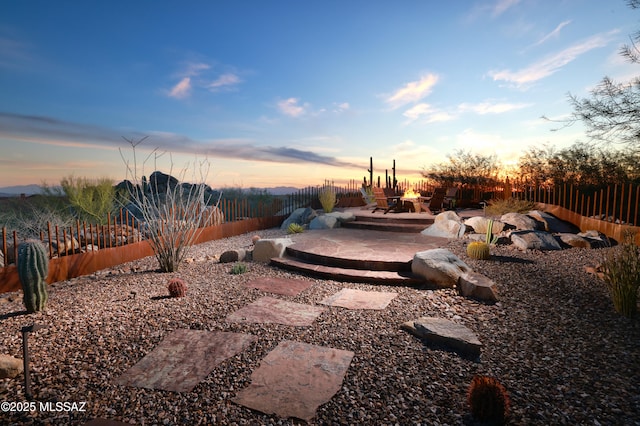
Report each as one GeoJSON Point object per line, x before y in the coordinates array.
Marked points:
{"type": "Point", "coordinates": [551, 223]}
{"type": "Point", "coordinates": [481, 223]}
{"type": "Point", "coordinates": [10, 367]}
{"type": "Point", "coordinates": [446, 333]}
{"type": "Point", "coordinates": [301, 216]}
{"type": "Point", "coordinates": [519, 221]}
{"type": "Point", "coordinates": [477, 286]}
{"type": "Point", "coordinates": [446, 224]}
{"type": "Point", "coordinates": [267, 248]}
{"type": "Point", "coordinates": [573, 240]}
{"type": "Point", "coordinates": [534, 240]}
{"type": "Point", "coordinates": [595, 238]}
{"type": "Point", "coordinates": [324, 222]}
{"type": "Point", "coordinates": [439, 266]}
{"type": "Point", "coordinates": [237, 255]}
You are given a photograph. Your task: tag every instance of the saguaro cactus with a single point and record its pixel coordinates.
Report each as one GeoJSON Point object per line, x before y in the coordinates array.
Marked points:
{"type": "Point", "coordinates": [33, 267]}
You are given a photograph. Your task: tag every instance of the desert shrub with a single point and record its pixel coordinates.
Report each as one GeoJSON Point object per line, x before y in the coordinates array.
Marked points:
{"type": "Point", "coordinates": [510, 205]}
{"type": "Point", "coordinates": [28, 217]}
{"type": "Point", "coordinates": [327, 197]}
{"type": "Point", "coordinates": [238, 268]}
{"type": "Point", "coordinates": [488, 400]}
{"type": "Point", "coordinates": [92, 199]}
{"type": "Point", "coordinates": [295, 228]}
{"type": "Point", "coordinates": [621, 269]}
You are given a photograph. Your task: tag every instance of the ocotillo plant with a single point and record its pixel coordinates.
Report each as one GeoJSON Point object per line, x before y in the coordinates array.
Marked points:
{"type": "Point", "coordinates": [33, 267]}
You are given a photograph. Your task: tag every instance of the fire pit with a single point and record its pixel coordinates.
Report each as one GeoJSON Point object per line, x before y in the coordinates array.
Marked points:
{"type": "Point", "coordinates": [411, 198]}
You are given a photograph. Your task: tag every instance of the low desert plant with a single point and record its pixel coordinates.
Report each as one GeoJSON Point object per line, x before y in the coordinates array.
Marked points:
{"type": "Point", "coordinates": [490, 238]}
{"type": "Point", "coordinates": [621, 270]}
{"type": "Point", "coordinates": [295, 228]}
{"type": "Point", "coordinates": [33, 267]}
{"type": "Point", "coordinates": [510, 205]}
{"type": "Point", "coordinates": [488, 400]}
{"type": "Point", "coordinates": [238, 268]}
{"type": "Point", "coordinates": [327, 197]}
{"type": "Point", "coordinates": [478, 250]}
{"type": "Point", "coordinates": [177, 287]}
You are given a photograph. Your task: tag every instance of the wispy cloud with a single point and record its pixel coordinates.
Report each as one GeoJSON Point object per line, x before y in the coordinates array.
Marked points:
{"type": "Point", "coordinates": [182, 89]}
{"type": "Point", "coordinates": [412, 92]}
{"type": "Point", "coordinates": [491, 107]}
{"type": "Point", "coordinates": [54, 132]}
{"type": "Point", "coordinates": [427, 114]}
{"type": "Point", "coordinates": [342, 107]}
{"type": "Point", "coordinates": [550, 64]}
{"type": "Point", "coordinates": [502, 6]}
{"type": "Point", "coordinates": [553, 34]}
{"type": "Point", "coordinates": [225, 81]}
{"type": "Point", "coordinates": [292, 108]}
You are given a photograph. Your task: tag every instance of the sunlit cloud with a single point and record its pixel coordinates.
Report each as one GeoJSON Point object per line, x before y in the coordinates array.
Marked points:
{"type": "Point", "coordinates": [551, 64]}
{"type": "Point", "coordinates": [182, 89]}
{"type": "Point", "coordinates": [344, 106]}
{"type": "Point", "coordinates": [195, 68]}
{"type": "Point", "coordinates": [291, 107]}
{"type": "Point", "coordinates": [225, 81]}
{"type": "Point", "coordinates": [413, 91]}
{"type": "Point", "coordinates": [426, 113]}
{"type": "Point", "coordinates": [553, 34]}
{"type": "Point", "coordinates": [491, 108]}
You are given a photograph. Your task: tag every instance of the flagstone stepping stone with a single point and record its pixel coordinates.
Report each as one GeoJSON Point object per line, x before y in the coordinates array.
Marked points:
{"type": "Point", "coordinates": [359, 299]}
{"type": "Point", "coordinates": [271, 310]}
{"type": "Point", "coordinates": [447, 333]}
{"type": "Point", "coordinates": [284, 286]}
{"type": "Point", "coordinates": [294, 379]}
{"type": "Point", "coordinates": [184, 358]}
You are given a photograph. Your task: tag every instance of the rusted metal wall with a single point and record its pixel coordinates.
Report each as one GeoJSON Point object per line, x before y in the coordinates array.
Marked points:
{"type": "Point", "coordinates": [75, 265]}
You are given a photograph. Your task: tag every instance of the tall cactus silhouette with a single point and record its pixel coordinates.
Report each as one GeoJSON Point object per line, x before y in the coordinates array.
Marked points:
{"type": "Point", "coordinates": [33, 267]}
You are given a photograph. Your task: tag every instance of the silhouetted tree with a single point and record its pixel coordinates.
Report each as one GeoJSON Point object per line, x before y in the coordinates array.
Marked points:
{"type": "Point", "coordinates": [466, 169]}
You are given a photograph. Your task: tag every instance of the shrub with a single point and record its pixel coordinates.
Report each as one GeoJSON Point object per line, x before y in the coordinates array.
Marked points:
{"type": "Point", "coordinates": [177, 287]}
{"type": "Point", "coordinates": [621, 270]}
{"type": "Point", "coordinates": [488, 400]}
{"type": "Point", "coordinates": [327, 197]}
{"type": "Point", "coordinates": [91, 199]}
{"type": "Point", "coordinates": [510, 205]}
{"type": "Point", "coordinates": [239, 268]}
{"type": "Point", "coordinates": [295, 228]}
{"type": "Point", "coordinates": [478, 250]}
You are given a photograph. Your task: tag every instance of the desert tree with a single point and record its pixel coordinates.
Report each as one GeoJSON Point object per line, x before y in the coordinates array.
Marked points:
{"type": "Point", "coordinates": [92, 199]}
{"type": "Point", "coordinates": [172, 213]}
{"type": "Point", "coordinates": [465, 168]}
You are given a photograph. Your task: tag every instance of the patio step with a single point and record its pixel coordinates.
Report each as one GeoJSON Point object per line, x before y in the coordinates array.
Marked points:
{"type": "Point", "coordinates": [389, 224]}
{"type": "Point", "coordinates": [347, 274]}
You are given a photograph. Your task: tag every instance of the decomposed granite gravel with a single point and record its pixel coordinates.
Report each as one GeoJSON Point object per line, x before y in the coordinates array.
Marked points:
{"type": "Point", "coordinates": [553, 340]}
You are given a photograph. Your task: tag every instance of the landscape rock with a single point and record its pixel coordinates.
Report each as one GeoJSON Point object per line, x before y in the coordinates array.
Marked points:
{"type": "Point", "coordinates": [480, 224]}
{"type": "Point", "coordinates": [573, 240]}
{"type": "Point", "coordinates": [553, 224]}
{"type": "Point", "coordinates": [439, 266]}
{"type": "Point", "coordinates": [301, 216]}
{"type": "Point", "coordinates": [596, 239]}
{"type": "Point", "coordinates": [519, 221]}
{"type": "Point", "coordinates": [446, 224]}
{"type": "Point", "coordinates": [342, 216]}
{"type": "Point", "coordinates": [266, 248]}
{"type": "Point", "coordinates": [324, 222]}
{"type": "Point", "coordinates": [229, 256]}
{"type": "Point", "coordinates": [477, 286]}
{"type": "Point", "coordinates": [10, 367]}
{"type": "Point", "coordinates": [534, 240]}
{"type": "Point", "coordinates": [446, 333]}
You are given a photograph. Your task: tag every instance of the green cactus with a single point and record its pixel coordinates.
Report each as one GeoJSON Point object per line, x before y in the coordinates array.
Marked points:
{"type": "Point", "coordinates": [239, 268]}
{"type": "Point", "coordinates": [33, 267]}
{"type": "Point", "coordinates": [295, 228]}
{"type": "Point", "coordinates": [490, 238]}
{"type": "Point", "coordinates": [478, 250]}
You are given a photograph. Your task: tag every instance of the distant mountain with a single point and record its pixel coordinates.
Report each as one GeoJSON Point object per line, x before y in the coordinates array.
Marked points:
{"type": "Point", "coordinates": [14, 191]}
{"type": "Point", "coordinates": [282, 190]}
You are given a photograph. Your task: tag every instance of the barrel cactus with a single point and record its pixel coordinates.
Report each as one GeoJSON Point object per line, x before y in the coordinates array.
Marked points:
{"type": "Point", "coordinates": [33, 267]}
{"type": "Point", "coordinates": [177, 287]}
{"type": "Point", "coordinates": [488, 400]}
{"type": "Point", "coordinates": [478, 250]}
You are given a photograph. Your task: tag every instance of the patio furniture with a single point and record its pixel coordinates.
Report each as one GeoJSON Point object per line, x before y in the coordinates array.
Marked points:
{"type": "Point", "coordinates": [435, 202]}
{"type": "Point", "coordinates": [384, 202]}
{"type": "Point", "coordinates": [449, 197]}
{"type": "Point", "coordinates": [368, 198]}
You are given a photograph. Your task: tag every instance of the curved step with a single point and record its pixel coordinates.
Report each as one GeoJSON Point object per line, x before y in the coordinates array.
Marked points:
{"type": "Point", "coordinates": [348, 263]}
{"type": "Point", "coordinates": [386, 226]}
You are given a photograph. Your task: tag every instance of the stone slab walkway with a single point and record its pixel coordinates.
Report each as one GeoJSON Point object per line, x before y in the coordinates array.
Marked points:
{"type": "Point", "coordinates": [184, 358]}
{"type": "Point", "coordinates": [271, 310]}
{"type": "Point", "coordinates": [284, 286]}
{"type": "Point", "coordinates": [359, 299]}
{"type": "Point", "coordinates": [294, 379]}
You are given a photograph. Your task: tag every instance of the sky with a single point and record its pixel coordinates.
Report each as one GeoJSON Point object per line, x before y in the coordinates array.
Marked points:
{"type": "Point", "coordinates": [290, 93]}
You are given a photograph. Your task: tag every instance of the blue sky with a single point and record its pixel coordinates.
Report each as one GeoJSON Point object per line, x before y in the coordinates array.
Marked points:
{"type": "Point", "coordinates": [290, 92]}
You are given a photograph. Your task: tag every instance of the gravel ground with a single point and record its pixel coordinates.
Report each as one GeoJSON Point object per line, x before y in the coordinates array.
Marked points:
{"type": "Point", "coordinates": [554, 341]}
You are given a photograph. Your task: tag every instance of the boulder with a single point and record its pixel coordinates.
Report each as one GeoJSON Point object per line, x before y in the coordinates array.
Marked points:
{"type": "Point", "coordinates": [439, 266]}
{"type": "Point", "coordinates": [519, 221]}
{"type": "Point", "coordinates": [342, 216]}
{"type": "Point", "coordinates": [596, 239]}
{"type": "Point", "coordinates": [266, 248]}
{"type": "Point", "coordinates": [10, 367]}
{"type": "Point", "coordinates": [573, 240]}
{"type": "Point", "coordinates": [324, 222]}
{"type": "Point", "coordinates": [477, 286]}
{"type": "Point", "coordinates": [480, 224]}
{"type": "Point", "coordinates": [446, 224]}
{"type": "Point", "coordinates": [233, 256]}
{"type": "Point", "coordinates": [550, 223]}
{"type": "Point", "coordinates": [442, 332]}
{"type": "Point", "coordinates": [534, 240]}
{"type": "Point", "coordinates": [301, 216]}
